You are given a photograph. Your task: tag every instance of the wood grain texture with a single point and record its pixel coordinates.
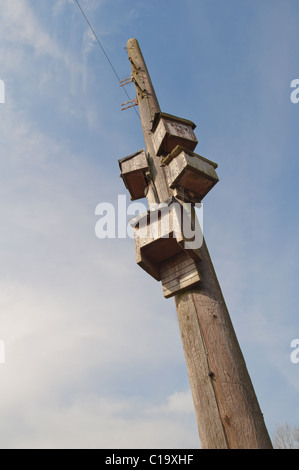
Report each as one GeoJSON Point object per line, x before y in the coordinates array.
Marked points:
{"type": "Point", "coordinates": [211, 431]}
{"type": "Point", "coordinates": [178, 273]}
{"type": "Point", "coordinates": [170, 132]}
{"type": "Point", "coordinates": [233, 394]}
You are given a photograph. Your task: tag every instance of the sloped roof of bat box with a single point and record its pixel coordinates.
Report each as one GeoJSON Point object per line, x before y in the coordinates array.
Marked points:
{"type": "Point", "coordinates": [191, 176]}
{"type": "Point", "coordinates": [133, 172]}
{"type": "Point", "coordinates": [169, 131]}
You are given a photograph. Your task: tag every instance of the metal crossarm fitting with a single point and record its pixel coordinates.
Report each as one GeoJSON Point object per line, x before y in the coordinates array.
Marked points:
{"type": "Point", "coordinates": [135, 103]}
{"type": "Point", "coordinates": [126, 81]}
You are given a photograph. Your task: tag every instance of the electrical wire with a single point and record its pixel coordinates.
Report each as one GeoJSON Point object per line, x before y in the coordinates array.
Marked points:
{"type": "Point", "coordinates": [104, 52]}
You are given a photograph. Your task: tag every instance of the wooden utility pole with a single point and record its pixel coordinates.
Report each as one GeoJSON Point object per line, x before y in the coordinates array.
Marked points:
{"type": "Point", "coordinates": [226, 406]}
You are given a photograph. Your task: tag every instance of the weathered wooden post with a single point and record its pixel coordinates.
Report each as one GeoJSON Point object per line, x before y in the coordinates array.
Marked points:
{"type": "Point", "coordinates": [168, 173]}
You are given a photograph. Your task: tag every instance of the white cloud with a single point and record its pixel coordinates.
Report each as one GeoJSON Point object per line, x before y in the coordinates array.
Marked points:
{"type": "Point", "coordinates": [71, 306]}
{"type": "Point", "coordinates": [34, 60]}
{"type": "Point", "coordinates": [87, 334]}
{"type": "Point", "coordinates": [100, 423]}
{"type": "Point", "coordinates": [20, 26]}
{"type": "Point", "coordinates": [176, 403]}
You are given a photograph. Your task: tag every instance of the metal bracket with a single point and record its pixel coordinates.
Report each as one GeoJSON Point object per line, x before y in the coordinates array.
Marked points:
{"type": "Point", "coordinates": [129, 80]}
{"type": "Point", "coordinates": [135, 103]}
{"type": "Point", "coordinates": [126, 81]}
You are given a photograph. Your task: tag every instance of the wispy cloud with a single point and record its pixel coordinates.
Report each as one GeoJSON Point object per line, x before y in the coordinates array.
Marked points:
{"type": "Point", "coordinates": [87, 334]}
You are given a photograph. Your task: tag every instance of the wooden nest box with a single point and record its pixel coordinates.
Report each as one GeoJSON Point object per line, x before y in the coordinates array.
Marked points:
{"type": "Point", "coordinates": [170, 131]}
{"type": "Point", "coordinates": [164, 251]}
{"type": "Point", "coordinates": [190, 175]}
{"type": "Point", "coordinates": [133, 172]}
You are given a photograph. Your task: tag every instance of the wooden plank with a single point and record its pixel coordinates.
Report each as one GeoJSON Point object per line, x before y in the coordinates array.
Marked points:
{"type": "Point", "coordinates": [182, 259]}
{"type": "Point", "coordinates": [171, 271]}
{"type": "Point", "coordinates": [176, 285]}
{"type": "Point", "coordinates": [180, 287]}
{"type": "Point", "coordinates": [178, 273]}
{"type": "Point", "coordinates": [188, 273]}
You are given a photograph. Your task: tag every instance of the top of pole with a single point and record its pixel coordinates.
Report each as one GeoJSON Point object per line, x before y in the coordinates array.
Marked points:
{"type": "Point", "coordinates": [148, 109]}
{"type": "Point", "coordinates": [142, 78]}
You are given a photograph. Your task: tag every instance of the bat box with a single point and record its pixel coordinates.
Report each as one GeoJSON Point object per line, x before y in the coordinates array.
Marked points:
{"type": "Point", "coordinates": [133, 172]}
{"type": "Point", "coordinates": [163, 248]}
{"type": "Point", "coordinates": [170, 131]}
{"type": "Point", "coordinates": [190, 175]}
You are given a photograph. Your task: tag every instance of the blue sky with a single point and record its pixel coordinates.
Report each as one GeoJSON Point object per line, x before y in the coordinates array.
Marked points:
{"type": "Point", "coordinates": [93, 350]}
